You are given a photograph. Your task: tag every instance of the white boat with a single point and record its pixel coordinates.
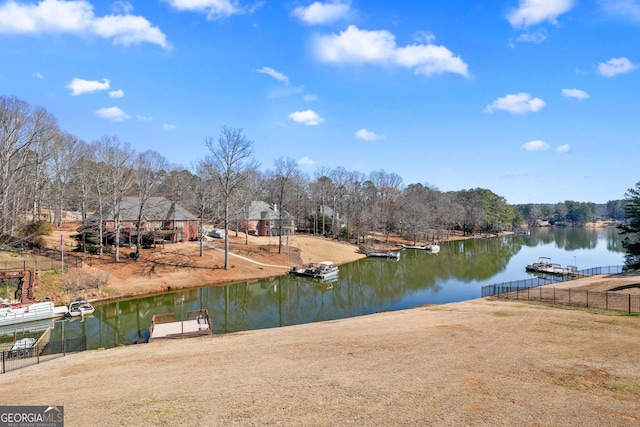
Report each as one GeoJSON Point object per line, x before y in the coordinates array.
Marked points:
{"type": "Point", "coordinates": [545, 266]}
{"type": "Point", "coordinates": [37, 311]}
{"type": "Point", "coordinates": [419, 247]}
{"type": "Point", "coordinates": [80, 308]}
{"type": "Point", "coordinates": [433, 248]}
{"type": "Point", "coordinates": [323, 270]}
{"type": "Point", "coordinates": [21, 348]}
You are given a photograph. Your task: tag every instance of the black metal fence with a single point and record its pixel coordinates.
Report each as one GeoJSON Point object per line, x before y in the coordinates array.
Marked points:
{"type": "Point", "coordinates": [54, 262]}
{"type": "Point", "coordinates": [21, 356]}
{"type": "Point", "coordinates": [533, 290]}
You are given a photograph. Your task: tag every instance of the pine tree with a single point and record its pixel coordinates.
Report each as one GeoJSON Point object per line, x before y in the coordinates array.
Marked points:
{"type": "Point", "coordinates": [631, 228]}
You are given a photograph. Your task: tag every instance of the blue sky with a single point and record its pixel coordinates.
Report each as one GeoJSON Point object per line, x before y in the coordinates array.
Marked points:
{"type": "Point", "coordinates": [536, 100]}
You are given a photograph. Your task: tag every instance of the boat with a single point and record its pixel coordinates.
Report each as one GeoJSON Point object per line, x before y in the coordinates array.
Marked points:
{"type": "Point", "coordinates": [38, 311]}
{"type": "Point", "coordinates": [21, 348]}
{"type": "Point", "coordinates": [432, 247]}
{"type": "Point", "coordinates": [419, 247]}
{"type": "Point", "coordinates": [545, 266]}
{"type": "Point", "coordinates": [80, 307]}
{"type": "Point", "coordinates": [323, 270]}
{"type": "Point", "coordinates": [383, 254]}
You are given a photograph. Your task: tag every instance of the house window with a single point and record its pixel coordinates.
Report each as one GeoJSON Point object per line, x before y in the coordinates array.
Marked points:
{"type": "Point", "coordinates": [179, 224]}
{"type": "Point", "coordinates": [158, 225]}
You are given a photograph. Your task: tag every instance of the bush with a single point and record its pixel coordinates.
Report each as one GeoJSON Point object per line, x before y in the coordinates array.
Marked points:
{"type": "Point", "coordinates": [38, 228]}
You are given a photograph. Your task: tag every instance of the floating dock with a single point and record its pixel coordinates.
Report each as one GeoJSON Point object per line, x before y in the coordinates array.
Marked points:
{"type": "Point", "coordinates": [165, 326]}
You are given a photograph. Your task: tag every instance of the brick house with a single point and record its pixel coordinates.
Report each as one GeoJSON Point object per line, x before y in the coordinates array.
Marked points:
{"type": "Point", "coordinates": [168, 220]}
{"type": "Point", "coordinates": [264, 220]}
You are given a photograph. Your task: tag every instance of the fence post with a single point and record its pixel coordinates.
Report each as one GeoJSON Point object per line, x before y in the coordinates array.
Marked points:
{"type": "Point", "coordinates": [587, 298]}
{"type": "Point", "coordinates": [554, 295]}
{"type": "Point", "coordinates": [629, 303]}
{"type": "Point", "coordinates": [606, 300]}
{"type": "Point", "coordinates": [3, 367]}
{"type": "Point", "coordinates": [540, 287]}
{"type": "Point", "coordinates": [569, 296]}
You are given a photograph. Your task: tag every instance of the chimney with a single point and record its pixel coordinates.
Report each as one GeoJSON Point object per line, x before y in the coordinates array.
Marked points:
{"type": "Point", "coordinates": [275, 208]}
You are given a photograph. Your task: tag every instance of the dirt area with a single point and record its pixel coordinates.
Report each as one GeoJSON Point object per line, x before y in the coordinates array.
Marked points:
{"type": "Point", "coordinates": [483, 362]}
{"type": "Point", "coordinates": [177, 266]}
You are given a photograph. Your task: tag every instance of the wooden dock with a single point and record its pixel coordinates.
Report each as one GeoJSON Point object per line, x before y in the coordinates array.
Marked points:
{"type": "Point", "coordinates": [165, 326]}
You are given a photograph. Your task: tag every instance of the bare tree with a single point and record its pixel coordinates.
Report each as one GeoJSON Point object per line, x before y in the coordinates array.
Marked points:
{"type": "Point", "coordinates": [21, 127]}
{"type": "Point", "coordinates": [282, 176]}
{"type": "Point", "coordinates": [243, 199]}
{"type": "Point", "coordinates": [231, 158]}
{"type": "Point", "coordinates": [150, 166]}
{"type": "Point", "coordinates": [205, 195]}
{"type": "Point", "coordinates": [118, 162]}
{"type": "Point", "coordinates": [63, 157]}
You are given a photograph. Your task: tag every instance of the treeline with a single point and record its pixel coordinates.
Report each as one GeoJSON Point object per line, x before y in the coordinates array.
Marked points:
{"type": "Point", "coordinates": [46, 172]}
{"type": "Point", "coordinates": [571, 212]}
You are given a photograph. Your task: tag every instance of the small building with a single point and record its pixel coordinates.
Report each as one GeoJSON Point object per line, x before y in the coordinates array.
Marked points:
{"type": "Point", "coordinates": [264, 220]}
{"type": "Point", "coordinates": [167, 220]}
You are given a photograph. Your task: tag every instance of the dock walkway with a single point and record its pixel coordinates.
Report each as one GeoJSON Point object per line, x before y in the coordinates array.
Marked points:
{"type": "Point", "coordinates": [164, 325]}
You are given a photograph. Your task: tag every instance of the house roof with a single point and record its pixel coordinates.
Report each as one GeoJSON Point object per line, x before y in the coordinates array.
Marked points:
{"type": "Point", "coordinates": [155, 209]}
{"type": "Point", "coordinates": [263, 210]}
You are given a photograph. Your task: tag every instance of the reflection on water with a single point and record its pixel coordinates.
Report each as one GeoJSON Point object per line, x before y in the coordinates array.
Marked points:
{"type": "Point", "coordinates": [370, 285]}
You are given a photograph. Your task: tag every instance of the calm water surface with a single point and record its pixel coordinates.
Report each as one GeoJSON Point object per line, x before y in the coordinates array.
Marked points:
{"type": "Point", "coordinates": [366, 286]}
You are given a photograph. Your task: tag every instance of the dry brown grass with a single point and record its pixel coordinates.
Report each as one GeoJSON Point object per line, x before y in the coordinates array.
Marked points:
{"type": "Point", "coordinates": [479, 362]}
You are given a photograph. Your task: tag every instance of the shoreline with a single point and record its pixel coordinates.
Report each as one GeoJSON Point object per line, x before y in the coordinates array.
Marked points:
{"type": "Point", "coordinates": [173, 267]}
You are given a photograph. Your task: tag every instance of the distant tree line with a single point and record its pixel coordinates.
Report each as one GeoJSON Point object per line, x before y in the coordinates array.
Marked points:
{"type": "Point", "coordinates": [571, 212]}
{"type": "Point", "coordinates": [46, 172]}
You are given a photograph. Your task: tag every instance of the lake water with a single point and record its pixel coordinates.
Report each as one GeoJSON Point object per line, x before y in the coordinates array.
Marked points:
{"type": "Point", "coordinates": [456, 273]}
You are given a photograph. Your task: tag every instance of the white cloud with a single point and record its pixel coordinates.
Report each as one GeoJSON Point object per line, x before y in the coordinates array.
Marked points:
{"type": "Point", "coordinates": [536, 145]}
{"type": "Point", "coordinates": [116, 93]}
{"type": "Point", "coordinates": [77, 18]}
{"type": "Point", "coordinates": [616, 66]}
{"type": "Point", "coordinates": [563, 148]}
{"type": "Point", "coordinates": [213, 8]}
{"type": "Point", "coordinates": [533, 12]}
{"type": "Point", "coordinates": [275, 74]}
{"type": "Point", "coordinates": [284, 91]}
{"type": "Point", "coordinates": [575, 93]}
{"type": "Point", "coordinates": [379, 47]}
{"type": "Point", "coordinates": [114, 114]}
{"type": "Point", "coordinates": [123, 7]}
{"type": "Point", "coordinates": [628, 9]}
{"type": "Point", "coordinates": [518, 103]}
{"type": "Point", "coordinates": [310, 97]}
{"type": "Point", "coordinates": [81, 86]}
{"type": "Point", "coordinates": [167, 127]}
{"type": "Point", "coordinates": [535, 38]}
{"type": "Point", "coordinates": [144, 118]}
{"type": "Point", "coordinates": [367, 135]}
{"type": "Point", "coordinates": [38, 75]}
{"type": "Point", "coordinates": [308, 117]}
{"type": "Point", "coordinates": [322, 13]}
{"type": "Point", "coordinates": [306, 161]}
